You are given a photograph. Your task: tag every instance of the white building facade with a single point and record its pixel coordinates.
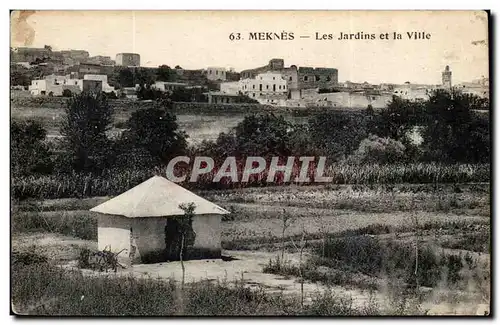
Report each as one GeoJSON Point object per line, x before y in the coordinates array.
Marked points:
{"type": "Point", "coordinates": [168, 86]}
{"type": "Point", "coordinates": [49, 86]}
{"type": "Point", "coordinates": [266, 88]}
{"type": "Point", "coordinates": [413, 91]}
{"type": "Point", "coordinates": [53, 85]}
{"type": "Point", "coordinates": [100, 77]}
{"type": "Point", "coordinates": [128, 59]}
{"type": "Point", "coordinates": [216, 73]}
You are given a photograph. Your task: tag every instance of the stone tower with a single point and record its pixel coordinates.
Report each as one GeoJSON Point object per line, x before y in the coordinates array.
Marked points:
{"type": "Point", "coordinates": [446, 77]}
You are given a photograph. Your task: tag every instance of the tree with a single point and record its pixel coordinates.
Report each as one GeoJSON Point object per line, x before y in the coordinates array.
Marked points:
{"type": "Point", "coordinates": [29, 153]}
{"type": "Point", "coordinates": [126, 77]}
{"type": "Point", "coordinates": [67, 93]}
{"type": "Point", "coordinates": [454, 131]}
{"type": "Point", "coordinates": [300, 143]}
{"type": "Point", "coordinates": [369, 109]}
{"type": "Point", "coordinates": [88, 117]}
{"type": "Point", "coordinates": [188, 95]}
{"type": "Point", "coordinates": [337, 134]}
{"type": "Point", "coordinates": [185, 226]}
{"type": "Point", "coordinates": [146, 92]}
{"type": "Point", "coordinates": [156, 131]}
{"type": "Point", "coordinates": [286, 220]}
{"type": "Point", "coordinates": [164, 73]}
{"type": "Point", "coordinates": [144, 76]}
{"type": "Point", "coordinates": [20, 76]}
{"type": "Point", "coordinates": [263, 135]}
{"type": "Point", "coordinates": [110, 95]}
{"type": "Point", "coordinates": [303, 243]}
{"type": "Point", "coordinates": [225, 145]}
{"type": "Point", "coordinates": [323, 230]}
{"type": "Point", "coordinates": [397, 118]}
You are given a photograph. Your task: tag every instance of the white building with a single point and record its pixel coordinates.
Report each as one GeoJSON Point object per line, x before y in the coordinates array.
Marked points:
{"type": "Point", "coordinates": [413, 91]}
{"type": "Point", "coordinates": [267, 88]}
{"type": "Point", "coordinates": [479, 87]}
{"type": "Point", "coordinates": [231, 88]}
{"type": "Point", "coordinates": [142, 223]}
{"type": "Point", "coordinates": [51, 85]}
{"type": "Point", "coordinates": [55, 85]}
{"type": "Point", "coordinates": [128, 59]}
{"type": "Point", "coordinates": [100, 77]}
{"type": "Point", "coordinates": [168, 86]}
{"type": "Point", "coordinates": [216, 73]}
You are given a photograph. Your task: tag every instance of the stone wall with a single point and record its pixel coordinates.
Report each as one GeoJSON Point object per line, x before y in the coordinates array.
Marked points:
{"type": "Point", "coordinates": [317, 77]}
{"type": "Point", "coordinates": [334, 101]}
{"type": "Point", "coordinates": [351, 100]}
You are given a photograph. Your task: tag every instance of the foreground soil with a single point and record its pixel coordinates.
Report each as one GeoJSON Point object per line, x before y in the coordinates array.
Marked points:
{"type": "Point", "coordinates": [244, 266]}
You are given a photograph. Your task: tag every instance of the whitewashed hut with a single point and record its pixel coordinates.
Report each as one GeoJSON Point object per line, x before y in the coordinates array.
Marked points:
{"type": "Point", "coordinates": [143, 223]}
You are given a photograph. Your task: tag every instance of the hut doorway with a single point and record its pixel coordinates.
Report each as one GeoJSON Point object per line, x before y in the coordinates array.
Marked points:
{"type": "Point", "coordinates": [173, 239]}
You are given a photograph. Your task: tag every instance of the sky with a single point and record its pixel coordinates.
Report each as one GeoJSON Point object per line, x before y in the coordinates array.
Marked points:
{"type": "Point", "coordinates": [199, 39]}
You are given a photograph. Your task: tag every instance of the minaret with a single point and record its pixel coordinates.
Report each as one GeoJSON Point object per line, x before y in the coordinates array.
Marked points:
{"type": "Point", "coordinates": [446, 77]}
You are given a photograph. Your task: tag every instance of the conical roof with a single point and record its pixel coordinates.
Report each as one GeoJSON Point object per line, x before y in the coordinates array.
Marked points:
{"type": "Point", "coordinates": [156, 197]}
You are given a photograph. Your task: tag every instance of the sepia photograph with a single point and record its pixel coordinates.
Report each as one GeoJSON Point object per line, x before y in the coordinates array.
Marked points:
{"type": "Point", "coordinates": [250, 163]}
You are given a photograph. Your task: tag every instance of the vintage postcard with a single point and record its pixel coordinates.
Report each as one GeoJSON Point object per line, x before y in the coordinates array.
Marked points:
{"type": "Point", "coordinates": [250, 163]}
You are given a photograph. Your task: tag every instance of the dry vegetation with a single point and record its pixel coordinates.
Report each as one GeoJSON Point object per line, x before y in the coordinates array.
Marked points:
{"type": "Point", "coordinates": [357, 236]}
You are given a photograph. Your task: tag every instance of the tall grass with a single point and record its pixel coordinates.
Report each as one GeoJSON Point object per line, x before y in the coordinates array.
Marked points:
{"type": "Point", "coordinates": [395, 259]}
{"type": "Point", "coordinates": [80, 226]}
{"type": "Point", "coordinates": [117, 181]}
{"type": "Point", "coordinates": [45, 290]}
{"type": "Point", "coordinates": [348, 257]}
{"type": "Point", "coordinates": [41, 289]}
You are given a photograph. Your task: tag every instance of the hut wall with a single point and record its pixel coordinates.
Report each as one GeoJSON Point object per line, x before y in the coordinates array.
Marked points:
{"type": "Point", "coordinates": [208, 235]}
{"type": "Point", "coordinates": [149, 236]}
{"type": "Point", "coordinates": [113, 233]}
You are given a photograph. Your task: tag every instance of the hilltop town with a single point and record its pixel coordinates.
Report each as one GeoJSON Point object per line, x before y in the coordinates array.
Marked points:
{"type": "Point", "coordinates": [44, 72]}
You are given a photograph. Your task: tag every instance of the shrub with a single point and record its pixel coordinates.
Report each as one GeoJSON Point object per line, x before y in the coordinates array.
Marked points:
{"type": "Point", "coordinates": [379, 150]}
{"type": "Point", "coordinates": [329, 304]}
{"type": "Point", "coordinates": [393, 259]}
{"type": "Point", "coordinates": [20, 259]}
{"type": "Point", "coordinates": [111, 95]}
{"type": "Point", "coordinates": [29, 153]}
{"type": "Point", "coordinates": [67, 93]}
{"type": "Point", "coordinates": [476, 242]}
{"type": "Point", "coordinates": [279, 266]}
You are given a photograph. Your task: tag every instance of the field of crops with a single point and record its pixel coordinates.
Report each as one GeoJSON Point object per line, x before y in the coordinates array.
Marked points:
{"type": "Point", "coordinates": [116, 182]}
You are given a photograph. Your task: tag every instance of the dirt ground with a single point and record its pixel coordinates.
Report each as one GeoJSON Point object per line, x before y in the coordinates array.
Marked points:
{"type": "Point", "coordinates": [243, 266]}
{"type": "Point", "coordinates": [257, 217]}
